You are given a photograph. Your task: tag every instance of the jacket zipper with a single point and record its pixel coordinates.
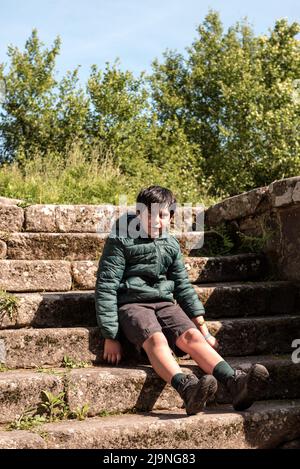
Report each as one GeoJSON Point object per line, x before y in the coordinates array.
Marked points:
{"type": "Point", "coordinates": [159, 257]}
{"type": "Point", "coordinates": [158, 263]}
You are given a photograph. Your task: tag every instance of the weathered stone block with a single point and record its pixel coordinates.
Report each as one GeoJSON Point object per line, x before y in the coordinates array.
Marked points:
{"type": "Point", "coordinates": [21, 440]}
{"type": "Point", "coordinates": [285, 191]}
{"type": "Point", "coordinates": [3, 249]}
{"type": "Point", "coordinates": [238, 206]}
{"type": "Point", "coordinates": [69, 246]}
{"type": "Point", "coordinates": [11, 218]}
{"type": "Point", "coordinates": [29, 348]}
{"type": "Point", "coordinates": [266, 425]}
{"type": "Point", "coordinates": [289, 254]}
{"type": "Point", "coordinates": [70, 218]}
{"type": "Point", "coordinates": [20, 390]}
{"type": "Point", "coordinates": [35, 275]}
{"type": "Point", "coordinates": [84, 274]}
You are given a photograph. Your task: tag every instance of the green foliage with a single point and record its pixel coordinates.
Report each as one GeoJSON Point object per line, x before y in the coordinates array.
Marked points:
{"type": "Point", "coordinates": [233, 95]}
{"type": "Point", "coordinates": [3, 368]}
{"type": "Point", "coordinates": [69, 362]}
{"type": "Point", "coordinates": [39, 114]}
{"type": "Point", "coordinates": [51, 408]}
{"type": "Point", "coordinates": [80, 413]}
{"type": "Point", "coordinates": [109, 413]}
{"type": "Point", "coordinates": [221, 119]}
{"type": "Point", "coordinates": [49, 371]}
{"type": "Point", "coordinates": [226, 239]}
{"type": "Point", "coordinates": [27, 420]}
{"type": "Point", "coordinates": [218, 242]}
{"type": "Point", "coordinates": [8, 305]}
{"type": "Point", "coordinates": [253, 243]}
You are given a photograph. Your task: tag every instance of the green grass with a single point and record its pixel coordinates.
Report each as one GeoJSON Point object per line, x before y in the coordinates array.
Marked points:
{"type": "Point", "coordinates": [77, 179]}
{"type": "Point", "coordinates": [69, 362]}
{"type": "Point", "coordinates": [8, 305]}
{"type": "Point", "coordinates": [51, 408]}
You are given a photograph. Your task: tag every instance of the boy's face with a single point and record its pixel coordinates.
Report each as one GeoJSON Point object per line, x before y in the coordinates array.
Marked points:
{"type": "Point", "coordinates": [155, 220]}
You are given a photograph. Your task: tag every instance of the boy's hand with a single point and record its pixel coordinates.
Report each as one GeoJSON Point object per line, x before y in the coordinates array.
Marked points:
{"type": "Point", "coordinates": [112, 351]}
{"type": "Point", "coordinates": [211, 340]}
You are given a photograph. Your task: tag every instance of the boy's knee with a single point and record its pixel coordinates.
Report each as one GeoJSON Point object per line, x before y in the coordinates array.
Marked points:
{"type": "Point", "coordinates": [191, 336]}
{"type": "Point", "coordinates": [157, 339]}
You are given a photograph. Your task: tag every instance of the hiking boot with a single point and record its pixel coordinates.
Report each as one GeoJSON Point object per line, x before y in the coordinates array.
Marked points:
{"type": "Point", "coordinates": [245, 388]}
{"type": "Point", "coordinates": [195, 392]}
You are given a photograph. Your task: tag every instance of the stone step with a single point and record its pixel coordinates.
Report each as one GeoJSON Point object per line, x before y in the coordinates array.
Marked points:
{"type": "Point", "coordinates": [265, 425]}
{"type": "Point", "coordinates": [120, 389]}
{"type": "Point", "coordinates": [25, 348]}
{"type": "Point", "coordinates": [81, 218]}
{"type": "Point", "coordinates": [77, 307]}
{"type": "Point", "coordinates": [54, 246]}
{"type": "Point", "coordinates": [243, 299]}
{"type": "Point", "coordinates": [226, 268]}
{"type": "Point", "coordinates": [86, 246]}
{"type": "Point", "coordinates": [32, 276]}
{"type": "Point", "coordinates": [55, 275]}
{"type": "Point", "coordinates": [20, 390]}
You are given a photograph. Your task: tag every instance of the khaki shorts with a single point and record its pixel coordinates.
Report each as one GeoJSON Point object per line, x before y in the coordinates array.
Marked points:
{"type": "Point", "coordinates": [138, 321]}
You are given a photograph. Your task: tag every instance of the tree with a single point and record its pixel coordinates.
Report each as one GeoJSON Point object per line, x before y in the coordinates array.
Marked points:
{"type": "Point", "coordinates": [233, 95]}
{"type": "Point", "coordinates": [39, 114]}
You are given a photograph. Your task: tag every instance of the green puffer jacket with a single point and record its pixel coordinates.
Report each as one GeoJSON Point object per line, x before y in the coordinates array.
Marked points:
{"type": "Point", "coordinates": [141, 269]}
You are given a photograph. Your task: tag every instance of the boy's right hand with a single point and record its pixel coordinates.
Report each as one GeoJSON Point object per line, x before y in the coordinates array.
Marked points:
{"type": "Point", "coordinates": [112, 351]}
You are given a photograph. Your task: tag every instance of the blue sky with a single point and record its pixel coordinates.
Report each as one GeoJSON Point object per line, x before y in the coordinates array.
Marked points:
{"type": "Point", "coordinates": [136, 31]}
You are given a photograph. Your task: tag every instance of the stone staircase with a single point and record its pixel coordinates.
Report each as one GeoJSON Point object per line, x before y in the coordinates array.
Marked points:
{"type": "Point", "coordinates": [49, 342]}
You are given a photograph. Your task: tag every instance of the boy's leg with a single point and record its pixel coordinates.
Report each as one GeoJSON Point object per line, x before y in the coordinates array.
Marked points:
{"type": "Point", "coordinates": [140, 325]}
{"type": "Point", "coordinates": [243, 387]}
{"type": "Point", "coordinates": [194, 392]}
{"type": "Point", "coordinates": [181, 331]}
{"type": "Point", "coordinates": [161, 357]}
{"type": "Point", "coordinates": [193, 343]}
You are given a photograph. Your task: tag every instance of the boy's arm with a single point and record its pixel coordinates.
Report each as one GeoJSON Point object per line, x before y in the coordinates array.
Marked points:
{"type": "Point", "coordinates": [109, 275]}
{"type": "Point", "coordinates": [184, 292]}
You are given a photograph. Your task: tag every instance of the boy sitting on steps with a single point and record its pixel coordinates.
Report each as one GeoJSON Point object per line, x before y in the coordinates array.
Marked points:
{"type": "Point", "coordinates": [143, 290]}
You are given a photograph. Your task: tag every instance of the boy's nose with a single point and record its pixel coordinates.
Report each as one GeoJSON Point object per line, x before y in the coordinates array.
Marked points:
{"type": "Point", "coordinates": [155, 220]}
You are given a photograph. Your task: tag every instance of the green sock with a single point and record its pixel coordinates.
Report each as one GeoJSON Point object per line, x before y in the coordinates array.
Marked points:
{"type": "Point", "coordinates": [222, 371]}
{"type": "Point", "coordinates": [176, 380]}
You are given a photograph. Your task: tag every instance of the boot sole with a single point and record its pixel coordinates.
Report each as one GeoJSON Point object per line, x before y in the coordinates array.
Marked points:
{"type": "Point", "coordinates": [205, 393]}
{"type": "Point", "coordinates": [257, 382]}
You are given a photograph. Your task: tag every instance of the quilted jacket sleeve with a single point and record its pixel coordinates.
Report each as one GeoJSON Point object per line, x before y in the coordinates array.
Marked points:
{"type": "Point", "coordinates": [184, 292]}
{"type": "Point", "coordinates": [110, 271]}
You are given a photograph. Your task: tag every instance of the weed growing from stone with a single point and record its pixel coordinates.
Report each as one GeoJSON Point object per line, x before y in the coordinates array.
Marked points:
{"type": "Point", "coordinates": [80, 413]}
{"type": "Point", "coordinates": [27, 420]}
{"type": "Point", "coordinates": [69, 362]}
{"type": "Point", "coordinates": [8, 305]}
{"type": "Point", "coordinates": [50, 371]}
{"type": "Point", "coordinates": [51, 408]}
{"type": "Point", "coordinates": [3, 368]}
{"type": "Point", "coordinates": [228, 240]}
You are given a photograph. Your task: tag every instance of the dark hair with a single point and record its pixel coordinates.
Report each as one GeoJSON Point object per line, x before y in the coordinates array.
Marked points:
{"type": "Point", "coordinates": [157, 194]}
